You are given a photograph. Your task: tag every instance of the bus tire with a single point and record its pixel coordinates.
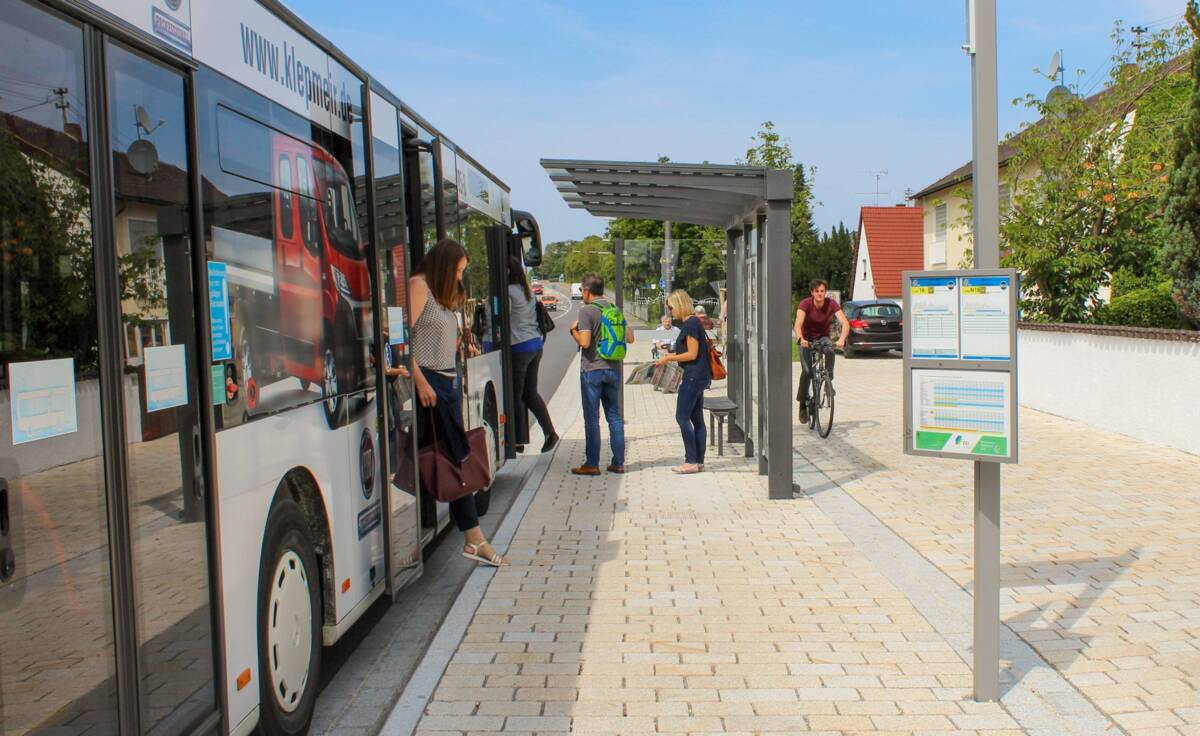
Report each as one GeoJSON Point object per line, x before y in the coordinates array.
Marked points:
{"type": "Point", "coordinates": [333, 379]}
{"type": "Point", "coordinates": [289, 623]}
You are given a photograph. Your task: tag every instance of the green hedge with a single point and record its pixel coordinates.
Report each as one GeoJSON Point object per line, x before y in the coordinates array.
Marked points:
{"type": "Point", "coordinates": [1146, 307]}
{"type": "Point", "coordinates": [654, 312]}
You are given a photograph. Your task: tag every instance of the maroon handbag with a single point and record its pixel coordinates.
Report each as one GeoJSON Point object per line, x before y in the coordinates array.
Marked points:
{"type": "Point", "coordinates": [447, 480]}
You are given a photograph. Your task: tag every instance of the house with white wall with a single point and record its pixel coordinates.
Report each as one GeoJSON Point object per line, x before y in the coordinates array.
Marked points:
{"type": "Point", "coordinates": [889, 242]}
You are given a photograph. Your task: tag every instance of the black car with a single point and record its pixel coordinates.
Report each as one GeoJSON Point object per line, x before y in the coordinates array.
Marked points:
{"type": "Point", "coordinates": [875, 325]}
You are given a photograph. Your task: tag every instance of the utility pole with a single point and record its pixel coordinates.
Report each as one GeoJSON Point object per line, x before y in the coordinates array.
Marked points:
{"type": "Point", "coordinates": [1138, 43]}
{"type": "Point", "coordinates": [63, 105]}
{"type": "Point", "coordinates": [981, 47]}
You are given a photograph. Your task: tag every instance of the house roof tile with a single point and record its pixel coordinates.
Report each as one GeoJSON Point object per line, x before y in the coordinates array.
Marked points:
{"type": "Point", "coordinates": [895, 242]}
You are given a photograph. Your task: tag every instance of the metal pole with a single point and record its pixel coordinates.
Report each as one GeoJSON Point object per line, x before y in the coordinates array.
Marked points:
{"type": "Point", "coordinates": [619, 278]}
{"type": "Point", "coordinates": [668, 260]}
{"type": "Point", "coordinates": [776, 296]}
{"type": "Point", "coordinates": [981, 45]}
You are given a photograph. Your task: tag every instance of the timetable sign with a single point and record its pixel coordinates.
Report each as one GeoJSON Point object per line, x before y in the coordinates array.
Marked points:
{"type": "Point", "coordinates": [960, 350]}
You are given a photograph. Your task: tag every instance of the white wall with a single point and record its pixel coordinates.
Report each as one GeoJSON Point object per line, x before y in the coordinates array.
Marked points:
{"type": "Point", "coordinates": [1143, 388]}
{"type": "Point", "coordinates": [864, 278]}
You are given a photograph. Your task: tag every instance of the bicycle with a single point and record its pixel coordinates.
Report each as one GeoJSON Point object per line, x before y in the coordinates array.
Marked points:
{"type": "Point", "coordinates": [820, 398]}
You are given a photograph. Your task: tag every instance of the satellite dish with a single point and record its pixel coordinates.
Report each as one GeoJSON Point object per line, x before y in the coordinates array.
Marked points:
{"type": "Point", "coordinates": [143, 120]}
{"type": "Point", "coordinates": [1055, 64]}
{"type": "Point", "coordinates": [143, 157]}
{"type": "Point", "coordinates": [1057, 95]}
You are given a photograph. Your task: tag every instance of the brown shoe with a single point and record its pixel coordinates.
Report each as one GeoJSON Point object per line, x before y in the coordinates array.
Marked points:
{"type": "Point", "coordinates": [614, 468]}
{"type": "Point", "coordinates": [803, 414]}
{"type": "Point", "coordinates": [586, 470]}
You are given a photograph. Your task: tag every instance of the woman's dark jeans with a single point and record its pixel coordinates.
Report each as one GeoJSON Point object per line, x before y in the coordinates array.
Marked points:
{"type": "Point", "coordinates": [689, 412]}
{"type": "Point", "coordinates": [449, 397]}
{"type": "Point", "coordinates": [526, 397]}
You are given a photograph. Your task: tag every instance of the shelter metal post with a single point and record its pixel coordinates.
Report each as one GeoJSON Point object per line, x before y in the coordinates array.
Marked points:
{"type": "Point", "coordinates": [777, 398]}
{"type": "Point", "coordinates": [733, 333]}
{"type": "Point", "coordinates": [981, 45]}
{"type": "Point", "coordinates": [619, 278]}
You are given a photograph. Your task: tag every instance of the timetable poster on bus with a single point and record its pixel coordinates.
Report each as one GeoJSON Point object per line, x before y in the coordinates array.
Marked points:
{"type": "Point", "coordinates": [962, 412]}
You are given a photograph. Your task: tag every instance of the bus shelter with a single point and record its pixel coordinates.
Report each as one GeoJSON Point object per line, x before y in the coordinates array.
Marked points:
{"type": "Point", "coordinates": [753, 206]}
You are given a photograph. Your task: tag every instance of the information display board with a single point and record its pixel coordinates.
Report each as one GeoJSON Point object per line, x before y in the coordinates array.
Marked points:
{"type": "Point", "coordinates": [960, 345]}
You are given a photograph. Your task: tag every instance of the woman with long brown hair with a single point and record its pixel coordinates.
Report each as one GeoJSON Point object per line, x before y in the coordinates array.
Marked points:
{"type": "Point", "coordinates": [435, 294]}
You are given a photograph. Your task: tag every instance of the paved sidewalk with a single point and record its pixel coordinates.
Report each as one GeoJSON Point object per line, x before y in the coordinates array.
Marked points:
{"type": "Point", "coordinates": [653, 603]}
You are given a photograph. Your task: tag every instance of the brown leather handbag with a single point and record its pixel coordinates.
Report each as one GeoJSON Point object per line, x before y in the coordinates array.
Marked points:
{"type": "Point", "coordinates": [714, 361]}
{"type": "Point", "coordinates": [447, 480]}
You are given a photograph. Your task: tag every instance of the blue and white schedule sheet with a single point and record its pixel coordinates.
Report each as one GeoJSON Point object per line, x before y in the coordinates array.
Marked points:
{"type": "Point", "coordinates": [933, 302]}
{"type": "Point", "coordinates": [984, 323]}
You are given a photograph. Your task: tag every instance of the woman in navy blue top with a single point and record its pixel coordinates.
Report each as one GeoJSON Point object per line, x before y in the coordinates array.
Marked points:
{"type": "Point", "coordinates": [691, 353]}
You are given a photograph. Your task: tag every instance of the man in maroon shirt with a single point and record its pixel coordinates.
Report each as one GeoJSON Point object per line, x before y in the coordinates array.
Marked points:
{"type": "Point", "coordinates": [813, 318]}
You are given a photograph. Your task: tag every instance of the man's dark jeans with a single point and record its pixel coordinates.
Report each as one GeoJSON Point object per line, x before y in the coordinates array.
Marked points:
{"type": "Point", "coordinates": [602, 387]}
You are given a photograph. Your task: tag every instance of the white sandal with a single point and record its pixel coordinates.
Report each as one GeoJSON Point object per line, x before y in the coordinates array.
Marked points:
{"type": "Point", "coordinates": [495, 560]}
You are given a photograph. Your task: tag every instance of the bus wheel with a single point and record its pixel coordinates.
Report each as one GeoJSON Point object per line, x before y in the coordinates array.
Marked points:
{"type": "Point", "coordinates": [289, 624]}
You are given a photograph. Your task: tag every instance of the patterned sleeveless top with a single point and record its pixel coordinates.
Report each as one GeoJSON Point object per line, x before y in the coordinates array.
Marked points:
{"type": "Point", "coordinates": [435, 337]}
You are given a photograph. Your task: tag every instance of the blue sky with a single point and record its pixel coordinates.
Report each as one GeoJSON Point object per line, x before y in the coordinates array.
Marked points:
{"type": "Point", "coordinates": [855, 87]}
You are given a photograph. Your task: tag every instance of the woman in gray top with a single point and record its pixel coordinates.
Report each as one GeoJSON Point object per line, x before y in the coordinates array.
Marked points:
{"type": "Point", "coordinates": [527, 341]}
{"type": "Point", "coordinates": [435, 295]}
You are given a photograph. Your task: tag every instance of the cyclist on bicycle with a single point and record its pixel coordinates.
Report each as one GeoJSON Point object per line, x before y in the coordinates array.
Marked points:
{"type": "Point", "coordinates": [813, 318]}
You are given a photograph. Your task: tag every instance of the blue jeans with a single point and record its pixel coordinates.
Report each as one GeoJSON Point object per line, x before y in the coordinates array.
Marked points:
{"type": "Point", "coordinates": [602, 387]}
{"type": "Point", "coordinates": [689, 413]}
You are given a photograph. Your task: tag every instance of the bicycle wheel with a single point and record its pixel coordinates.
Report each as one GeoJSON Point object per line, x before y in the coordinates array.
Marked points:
{"type": "Point", "coordinates": [814, 394]}
{"type": "Point", "coordinates": [824, 413]}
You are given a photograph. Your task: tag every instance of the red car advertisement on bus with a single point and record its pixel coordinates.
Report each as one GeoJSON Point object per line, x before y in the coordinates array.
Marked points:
{"type": "Point", "coordinates": [301, 300]}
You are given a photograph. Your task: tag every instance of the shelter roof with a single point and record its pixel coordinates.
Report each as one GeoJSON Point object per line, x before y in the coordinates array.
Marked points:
{"type": "Point", "coordinates": [701, 194]}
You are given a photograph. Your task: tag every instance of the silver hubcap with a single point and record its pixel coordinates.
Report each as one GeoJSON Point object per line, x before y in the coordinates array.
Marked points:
{"type": "Point", "coordinates": [289, 631]}
{"type": "Point", "coordinates": [331, 382]}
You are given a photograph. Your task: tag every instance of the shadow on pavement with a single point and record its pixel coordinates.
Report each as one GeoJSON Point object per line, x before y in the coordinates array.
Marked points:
{"type": "Point", "coordinates": [1053, 611]}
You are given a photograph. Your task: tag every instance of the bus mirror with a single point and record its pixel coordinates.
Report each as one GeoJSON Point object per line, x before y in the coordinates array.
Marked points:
{"type": "Point", "coordinates": [530, 237]}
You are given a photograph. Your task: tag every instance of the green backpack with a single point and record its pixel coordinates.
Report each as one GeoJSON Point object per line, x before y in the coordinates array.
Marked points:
{"type": "Point", "coordinates": [612, 334]}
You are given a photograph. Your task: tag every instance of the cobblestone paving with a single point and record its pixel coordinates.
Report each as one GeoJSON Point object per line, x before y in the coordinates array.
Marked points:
{"type": "Point", "coordinates": [651, 602]}
{"type": "Point", "coordinates": [1100, 548]}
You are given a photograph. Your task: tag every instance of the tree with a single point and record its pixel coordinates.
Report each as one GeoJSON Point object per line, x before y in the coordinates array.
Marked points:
{"type": "Point", "coordinates": [774, 152]}
{"type": "Point", "coordinates": [1092, 207]}
{"type": "Point", "coordinates": [554, 259]}
{"type": "Point", "coordinates": [593, 254]}
{"type": "Point", "coordinates": [831, 258]}
{"type": "Point", "coordinates": [1181, 251]}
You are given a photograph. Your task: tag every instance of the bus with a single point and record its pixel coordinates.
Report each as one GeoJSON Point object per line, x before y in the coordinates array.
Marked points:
{"type": "Point", "coordinates": [208, 218]}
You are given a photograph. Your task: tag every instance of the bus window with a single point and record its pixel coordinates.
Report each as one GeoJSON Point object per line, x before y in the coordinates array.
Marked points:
{"type": "Point", "coordinates": [308, 208]}
{"type": "Point", "coordinates": [286, 198]}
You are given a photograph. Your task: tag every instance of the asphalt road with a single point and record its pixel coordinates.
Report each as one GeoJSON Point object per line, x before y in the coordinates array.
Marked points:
{"type": "Point", "coordinates": [560, 349]}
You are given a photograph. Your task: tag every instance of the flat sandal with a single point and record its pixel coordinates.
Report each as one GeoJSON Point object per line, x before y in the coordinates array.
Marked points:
{"type": "Point", "coordinates": [495, 560]}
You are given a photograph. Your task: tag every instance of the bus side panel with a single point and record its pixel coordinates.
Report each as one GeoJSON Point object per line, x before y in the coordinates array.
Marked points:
{"type": "Point", "coordinates": [252, 459]}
